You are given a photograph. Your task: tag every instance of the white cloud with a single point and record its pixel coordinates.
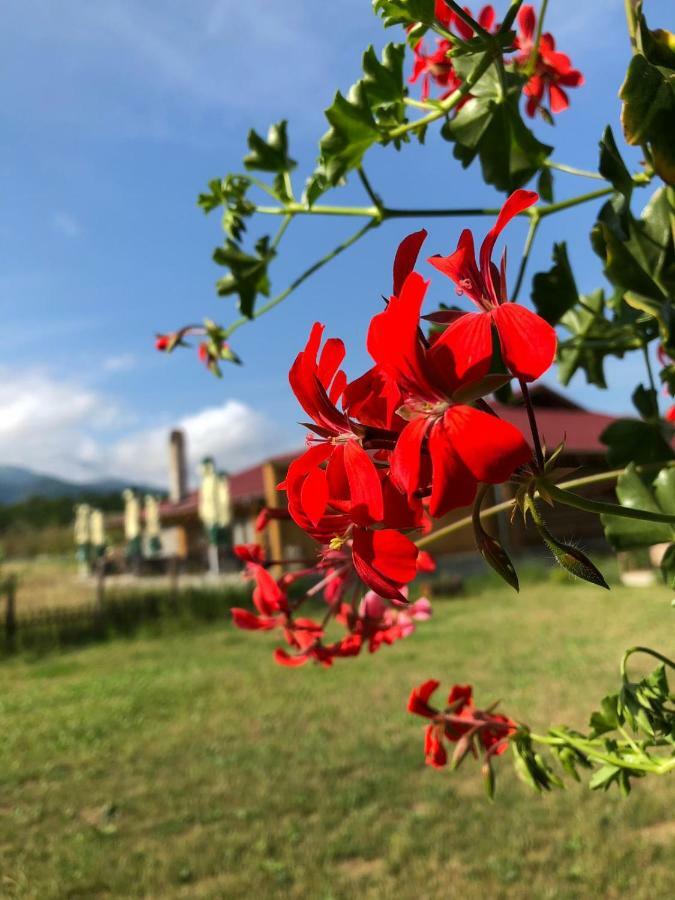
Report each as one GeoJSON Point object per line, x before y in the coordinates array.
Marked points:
{"type": "Point", "coordinates": [66, 224]}
{"type": "Point", "coordinates": [124, 362]}
{"type": "Point", "coordinates": [70, 430]}
{"type": "Point", "coordinates": [234, 434]}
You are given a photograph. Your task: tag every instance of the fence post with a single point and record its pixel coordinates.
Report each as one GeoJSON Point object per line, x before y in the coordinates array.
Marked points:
{"type": "Point", "coordinates": [173, 580]}
{"type": "Point", "coordinates": [10, 613]}
{"type": "Point", "coordinates": [99, 603]}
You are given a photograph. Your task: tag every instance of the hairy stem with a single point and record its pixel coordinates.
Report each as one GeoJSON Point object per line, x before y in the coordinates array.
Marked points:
{"type": "Point", "coordinates": [538, 452]}
{"type": "Point", "coordinates": [583, 481]}
{"type": "Point", "coordinates": [608, 509]}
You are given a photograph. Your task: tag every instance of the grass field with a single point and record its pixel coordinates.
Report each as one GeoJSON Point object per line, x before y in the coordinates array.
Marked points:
{"type": "Point", "coordinates": [188, 765]}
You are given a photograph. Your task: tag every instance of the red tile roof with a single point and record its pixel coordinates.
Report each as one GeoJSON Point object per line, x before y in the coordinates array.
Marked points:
{"type": "Point", "coordinates": [580, 428]}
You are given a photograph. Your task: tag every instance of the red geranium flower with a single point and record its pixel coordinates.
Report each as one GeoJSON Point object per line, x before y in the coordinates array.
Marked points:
{"type": "Point", "coordinates": [553, 70]}
{"type": "Point", "coordinates": [446, 443]}
{"type": "Point", "coordinates": [459, 719]}
{"type": "Point", "coordinates": [527, 342]}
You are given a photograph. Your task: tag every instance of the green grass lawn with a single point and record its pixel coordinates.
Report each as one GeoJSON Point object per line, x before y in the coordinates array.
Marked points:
{"type": "Point", "coordinates": [189, 765]}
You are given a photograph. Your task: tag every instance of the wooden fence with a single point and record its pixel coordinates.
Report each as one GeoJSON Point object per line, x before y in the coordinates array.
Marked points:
{"type": "Point", "coordinates": [108, 614]}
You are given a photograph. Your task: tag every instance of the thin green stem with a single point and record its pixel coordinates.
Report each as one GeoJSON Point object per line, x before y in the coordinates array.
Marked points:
{"type": "Point", "coordinates": [591, 750]}
{"type": "Point", "coordinates": [573, 201]}
{"type": "Point", "coordinates": [532, 419]}
{"type": "Point", "coordinates": [369, 189]}
{"type": "Point", "coordinates": [572, 170]}
{"type": "Point", "coordinates": [280, 233]}
{"type": "Point", "coordinates": [648, 364]}
{"type": "Point", "coordinates": [468, 19]}
{"type": "Point", "coordinates": [300, 209]}
{"type": "Point", "coordinates": [446, 105]}
{"type": "Point", "coordinates": [534, 56]}
{"type": "Point", "coordinates": [631, 650]}
{"type": "Point", "coordinates": [529, 240]}
{"type": "Point", "coordinates": [631, 21]}
{"type": "Point", "coordinates": [304, 276]}
{"type": "Point", "coordinates": [506, 505]}
{"type": "Point", "coordinates": [419, 104]}
{"type": "Point", "coordinates": [598, 507]}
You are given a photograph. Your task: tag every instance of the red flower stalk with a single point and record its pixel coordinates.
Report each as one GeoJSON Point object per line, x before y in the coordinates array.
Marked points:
{"type": "Point", "coordinates": [459, 721]}
{"type": "Point", "coordinates": [552, 71]}
{"type": "Point", "coordinates": [526, 341]}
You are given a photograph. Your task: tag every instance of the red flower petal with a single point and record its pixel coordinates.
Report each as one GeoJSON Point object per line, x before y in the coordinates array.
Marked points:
{"type": "Point", "coordinates": [559, 99]}
{"type": "Point", "coordinates": [515, 204]}
{"type": "Point", "coordinates": [453, 485]}
{"type": "Point", "coordinates": [406, 460]}
{"type": "Point", "coordinates": [418, 702]}
{"type": "Point", "coordinates": [527, 21]}
{"type": "Point", "coordinates": [385, 560]}
{"type": "Point", "coordinates": [461, 267]}
{"type": "Point", "coordinates": [314, 495]}
{"type": "Point", "coordinates": [406, 257]}
{"type": "Point", "coordinates": [528, 342]}
{"type": "Point", "coordinates": [242, 618]}
{"type": "Point", "coordinates": [489, 448]}
{"type": "Point", "coordinates": [462, 693]}
{"type": "Point", "coordinates": [463, 352]}
{"type": "Point", "coordinates": [285, 659]}
{"type": "Point", "coordinates": [364, 485]}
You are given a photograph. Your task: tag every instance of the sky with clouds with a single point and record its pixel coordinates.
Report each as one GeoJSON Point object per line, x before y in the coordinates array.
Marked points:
{"type": "Point", "coordinates": [116, 115]}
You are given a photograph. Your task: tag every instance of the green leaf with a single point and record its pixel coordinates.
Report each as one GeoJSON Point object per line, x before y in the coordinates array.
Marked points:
{"type": "Point", "coordinates": [630, 440]}
{"type": "Point", "coordinates": [269, 155]}
{"type": "Point", "coordinates": [374, 105]}
{"type": "Point", "coordinates": [405, 12]}
{"type": "Point", "coordinates": [592, 338]}
{"type": "Point", "coordinates": [646, 402]}
{"type": "Point", "coordinates": [648, 113]}
{"type": "Point", "coordinates": [545, 185]}
{"type": "Point", "coordinates": [633, 492]}
{"type": "Point", "coordinates": [248, 273]}
{"type": "Point", "coordinates": [489, 125]}
{"type": "Point", "coordinates": [612, 166]}
{"type": "Point", "coordinates": [229, 192]}
{"type": "Point", "coordinates": [604, 777]}
{"type": "Point", "coordinates": [555, 292]}
{"type": "Point", "coordinates": [607, 718]}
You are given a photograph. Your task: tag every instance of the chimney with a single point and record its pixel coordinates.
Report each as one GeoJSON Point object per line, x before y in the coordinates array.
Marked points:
{"type": "Point", "coordinates": [177, 467]}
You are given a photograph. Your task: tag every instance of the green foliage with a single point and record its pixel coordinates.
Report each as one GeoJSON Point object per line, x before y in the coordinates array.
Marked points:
{"type": "Point", "coordinates": [593, 337]}
{"type": "Point", "coordinates": [639, 492]}
{"type": "Point", "coordinates": [489, 127]}
{"type": "Point", "coordinates": [555, 292]}
{"type": "Point", "coordinates": [405, 12]}
{"type": "Point", "coordinates": [362, 118]}
{"type": "Point", "coordinates": [248, 272]}
{"type": "Point", "coordinates": [648, 94]}
{"type": "Point", "coordinates": [230, 192]}
{"type": "Point", "coordinates": [269, 155]}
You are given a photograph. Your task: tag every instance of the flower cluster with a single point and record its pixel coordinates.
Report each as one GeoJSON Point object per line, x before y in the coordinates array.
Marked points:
{"type": "Point", "coordinates": [401, 445]}
{"type": "Point", "coordinates": [371, 623]}
{"type": "Point", "coordinates": [548, 70]}
{"type": "Point", "coordinates": [410, 439]}
{"type": "Point", "coordinates": [460, 723]}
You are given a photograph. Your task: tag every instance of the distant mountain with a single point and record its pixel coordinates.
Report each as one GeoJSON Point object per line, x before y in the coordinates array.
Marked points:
{"type": "Point", "coordinates": [17, 484]}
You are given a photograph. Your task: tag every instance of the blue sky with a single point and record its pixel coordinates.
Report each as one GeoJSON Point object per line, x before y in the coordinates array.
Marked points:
{"type": "Point", "coordinates": [116, 114]}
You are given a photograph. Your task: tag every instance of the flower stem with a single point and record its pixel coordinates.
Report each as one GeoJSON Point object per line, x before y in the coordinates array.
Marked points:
{"type": "Point", "coordinates": [444, 106]}
{"type": "Point", "coordinates": [529, 240]}
{"type": "Point", "coordinates": [572, 170]}
{"type": "Point", "coordinates": [573, 201]}
{"type": "Point", "coordinates": [369, 189]}
{"type": "Point", "coordinates": [538, 453]}
{"type": "Point", "coordinates": [608, 509]}
{"type": "Point", "coordinates": [534, 56]}
{"type": "Point", "coordinates": [583, 481]}
{"type": "Point", "coordinates": [468, 19]}
{"type": "Point", "coordinates": [624, 660]}
{"type": "Point", "coordinates": [304, 276]}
